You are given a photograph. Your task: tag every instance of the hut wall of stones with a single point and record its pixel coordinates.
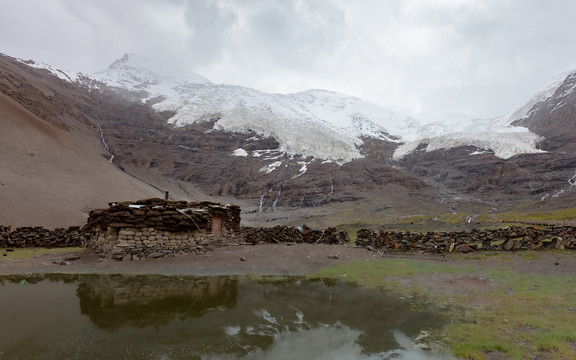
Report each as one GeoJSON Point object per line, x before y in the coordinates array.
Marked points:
{"type": "Point", "coordinates": [155, 228]}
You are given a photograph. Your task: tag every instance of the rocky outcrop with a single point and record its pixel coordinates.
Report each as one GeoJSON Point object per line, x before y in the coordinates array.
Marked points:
{"type": "Point", "coordinates": [553, 118]}
{"type": "Point", "coordinates": [526, 177]}
{"type": "Point", "coordinates": [509, 238]}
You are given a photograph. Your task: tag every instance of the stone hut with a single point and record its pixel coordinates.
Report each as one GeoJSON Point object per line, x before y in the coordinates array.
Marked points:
{"type": "Point", "coordinates": [155, 227]}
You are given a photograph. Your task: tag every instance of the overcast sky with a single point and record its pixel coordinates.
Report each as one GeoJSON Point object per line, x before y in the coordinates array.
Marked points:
{"type": "Point", "coordinates": [416, 57]}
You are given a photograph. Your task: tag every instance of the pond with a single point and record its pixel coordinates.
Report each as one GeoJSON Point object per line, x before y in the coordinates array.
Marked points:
{"type": "Point", "coordinates": [218, 317]}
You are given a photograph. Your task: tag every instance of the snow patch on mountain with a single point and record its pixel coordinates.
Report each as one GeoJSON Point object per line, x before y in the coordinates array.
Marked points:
{"type": "Point", "coordinates": [505, 142]}
{"type": "Point", "coordinates": [496, 134]}
{"type": "Point", "coordinates": [303, 169]}
{"type": "Point", "coordinates": [240, 152]}
{"type": "Point", "coordinates": [271, 167]}
{"type": "Point", "coordinates": [62, 74]}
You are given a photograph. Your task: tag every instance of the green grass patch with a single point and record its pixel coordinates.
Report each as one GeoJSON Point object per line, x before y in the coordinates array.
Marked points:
{"type": "Point", "coordinates": [563, 214]}
{"type": "Point", "coordinates": [527, 315]}
{"type": "Point", "coordinates": [528, 255]}
{"type": "Point", "coordinates": [24, 253]}
{"type": "Point", "coordinates": [520, 317]}
{"type": "Point", "coordinates": [384, 273]}
{"type": "Point", "coordinates": [528, 213]}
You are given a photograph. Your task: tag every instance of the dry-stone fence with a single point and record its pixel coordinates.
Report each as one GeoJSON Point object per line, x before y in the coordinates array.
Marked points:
{"type": "Point", "coordinates": [40, 237]}
{"type": "Point", "coordinates": [283, 234]}
{"type": "Point", "coordinates": [509, 238]}
{"type": "Point", "coordinates": [130, 231]}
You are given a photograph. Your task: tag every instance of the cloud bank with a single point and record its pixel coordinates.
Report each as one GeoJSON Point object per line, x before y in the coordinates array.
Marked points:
{"type": "Point", "coordinates": [416, 57]}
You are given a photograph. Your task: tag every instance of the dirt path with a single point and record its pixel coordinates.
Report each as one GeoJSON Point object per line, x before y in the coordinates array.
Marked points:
{"type": "Point", "coordinates": [264, 259]}
{"type": "Point", "coordinates": [280, 259]}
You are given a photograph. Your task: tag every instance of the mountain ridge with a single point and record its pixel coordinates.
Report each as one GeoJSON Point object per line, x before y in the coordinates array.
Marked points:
{"type": "Point", "coordinates": [342, 121]}
{"type": "Point", "coordinates": [203, 159]}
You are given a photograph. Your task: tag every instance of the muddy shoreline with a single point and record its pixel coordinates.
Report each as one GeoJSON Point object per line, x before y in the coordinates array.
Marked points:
{"type": "Point", "coordinates": [291, 259]}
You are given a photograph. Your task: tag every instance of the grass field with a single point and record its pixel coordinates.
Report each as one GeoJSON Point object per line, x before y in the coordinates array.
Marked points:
{"type": "Point", "coordinates": [520, 317]}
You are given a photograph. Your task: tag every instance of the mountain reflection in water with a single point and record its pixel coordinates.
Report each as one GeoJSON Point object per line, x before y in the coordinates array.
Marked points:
{"type": "Point", "coordinates": [182, 317]}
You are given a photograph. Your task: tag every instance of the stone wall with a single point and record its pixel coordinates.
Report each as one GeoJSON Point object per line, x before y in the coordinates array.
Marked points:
{"type": "Point", "coordinates": [154, 228]}
{"type": "Point", "coordinates": [125, 233]}
{"type": "Point", "coordinates": [40, 237]}
{"type": "Point", "coordinates": [283, 234]}
{"type": "Point", "coordinates": [509, 238]}
{"type": "Point", "coordinates": [137, 244]}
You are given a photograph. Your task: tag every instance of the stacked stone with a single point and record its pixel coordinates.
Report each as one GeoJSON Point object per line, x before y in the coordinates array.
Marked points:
{"type": "Point", "coordinates": [154, 228]}
{"type": "Point", "coordinates": [509, 238]}
{"type": "Point", "coordinates": [232, 221]}
{"type": "Point", "coordinates": [282, 234]}
{"type": "Point", "coordinates": [139, 216]}
{"type": "Point", "coordinates": [5, 232]}
{"type": "Point", "coordinates": [40, 237]}
{"type": "Point", "coordinates": [136, 244]}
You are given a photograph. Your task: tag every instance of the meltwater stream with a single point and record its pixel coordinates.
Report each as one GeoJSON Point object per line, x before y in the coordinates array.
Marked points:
{"type": "Point", "coordinates": [182, 317]}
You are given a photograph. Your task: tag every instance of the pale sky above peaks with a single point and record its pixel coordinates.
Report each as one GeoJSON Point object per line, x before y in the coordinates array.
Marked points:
{"type": "Point", "coordinates": [419, 58]}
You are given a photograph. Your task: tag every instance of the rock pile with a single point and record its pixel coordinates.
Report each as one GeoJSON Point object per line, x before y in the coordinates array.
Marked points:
{"type": "Point", "coordinates": [282, 234]}
{"type": "Point", "coordinates": [509, 238]}
{"type": "Point", "coordinates": [40, 237]}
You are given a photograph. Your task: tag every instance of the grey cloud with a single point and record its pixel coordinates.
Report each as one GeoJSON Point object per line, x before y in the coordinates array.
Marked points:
{"type": "Point", "coordinates": [418, 56]}
{"type": "Point", "coordinates": [211, 30]}
{"type": "Point", "coordinates": [295, 34]}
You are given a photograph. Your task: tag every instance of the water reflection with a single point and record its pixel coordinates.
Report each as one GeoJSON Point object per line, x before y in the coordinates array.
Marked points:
{"type": "Point", "coordinates": [160, 317]}
{"type": "Point", "coordinates": [140, 301]}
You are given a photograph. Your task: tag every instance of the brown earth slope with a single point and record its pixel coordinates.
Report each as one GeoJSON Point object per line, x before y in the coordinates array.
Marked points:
{"type": "Point", "coordinates": [53, 171]}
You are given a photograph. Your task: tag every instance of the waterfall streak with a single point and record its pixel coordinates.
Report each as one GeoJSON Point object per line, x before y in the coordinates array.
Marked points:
{"type": "Point", "coordinates": [325, 196]}
{"type": "Point", "coordinates": [278, 196]}
{"type": "Point", "coordinates": [261, 206]}
{"type": "Point", "coordinates": [106, 147]}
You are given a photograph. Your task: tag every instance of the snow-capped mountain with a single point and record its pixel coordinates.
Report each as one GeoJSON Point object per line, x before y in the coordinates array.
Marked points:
{"type": "Point", "coordinates": [506, 135]}
{"type": "Point", "coordinates": [136, 72]}
{"type": "Point", "coordinates": [552, 117]}
{"type": "Point", "coordinates": [318, 123]}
